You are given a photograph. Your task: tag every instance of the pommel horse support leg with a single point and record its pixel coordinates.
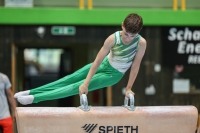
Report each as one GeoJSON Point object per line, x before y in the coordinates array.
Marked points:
{"type": "Point", "coordinates": [119, 119]}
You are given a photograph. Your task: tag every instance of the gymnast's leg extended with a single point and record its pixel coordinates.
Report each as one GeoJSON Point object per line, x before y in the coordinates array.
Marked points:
{"type": "Point", "coordinates": [67, 80]}
{"type": "Point", "coordinates": [106, 75]}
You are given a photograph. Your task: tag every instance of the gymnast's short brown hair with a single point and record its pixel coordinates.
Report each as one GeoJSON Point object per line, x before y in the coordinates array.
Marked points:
{"type": "Point", "coordinates": [133, 23]}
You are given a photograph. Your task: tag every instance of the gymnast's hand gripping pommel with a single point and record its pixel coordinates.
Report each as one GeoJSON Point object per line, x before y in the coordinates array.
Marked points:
{"type": "Point", "coordinates": [84, 102]}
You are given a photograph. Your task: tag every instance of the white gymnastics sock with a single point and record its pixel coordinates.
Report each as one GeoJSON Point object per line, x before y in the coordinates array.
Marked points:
{"type": "Point", "coordinates": [25, 99]}
{"type": "Point", "coordinates": [22, 93]}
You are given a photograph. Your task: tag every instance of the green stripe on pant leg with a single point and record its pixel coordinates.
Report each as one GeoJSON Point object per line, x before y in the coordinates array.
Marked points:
{"type": "Point", "coordinates": [65, 91]}
{"type": "Point", "coordinates": [102, 80]}
{"type": "Point", "coordinates": [106, 76]}
{"type": "Point", "coordinates": [67, 80]}
{"type": "Point", "coordinates": [99, 80]}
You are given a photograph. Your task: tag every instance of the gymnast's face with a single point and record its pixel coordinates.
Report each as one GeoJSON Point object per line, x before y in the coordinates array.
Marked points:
{"type": "Point", "coordinates": [126, 37]}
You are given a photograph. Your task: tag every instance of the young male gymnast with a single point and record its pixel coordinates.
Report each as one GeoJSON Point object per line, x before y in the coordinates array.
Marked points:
{"type": "Point", "coordinates": [121, 50]}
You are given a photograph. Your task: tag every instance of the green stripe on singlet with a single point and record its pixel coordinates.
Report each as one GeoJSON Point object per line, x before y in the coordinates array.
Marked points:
{"type": "Point", "coordinates": [125, 51]}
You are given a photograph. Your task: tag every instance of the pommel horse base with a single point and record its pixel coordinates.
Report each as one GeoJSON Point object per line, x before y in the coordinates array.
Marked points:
{"type": "Point", "coordinates": [120, 119]}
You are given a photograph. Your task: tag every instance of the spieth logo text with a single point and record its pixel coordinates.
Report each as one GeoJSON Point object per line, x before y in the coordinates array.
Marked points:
{"type": "Point", "coordinates": [89, 128]}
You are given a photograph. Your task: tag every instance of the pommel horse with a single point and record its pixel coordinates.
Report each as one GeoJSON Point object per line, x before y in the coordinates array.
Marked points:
{"type": "Point", "coordinates": [118, 119]}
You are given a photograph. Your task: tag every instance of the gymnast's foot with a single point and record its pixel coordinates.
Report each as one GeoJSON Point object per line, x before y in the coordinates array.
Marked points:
{"type": "Point", "coordinates": [22, 93]}
{"type": "Point", "coordinates": [25, 99]}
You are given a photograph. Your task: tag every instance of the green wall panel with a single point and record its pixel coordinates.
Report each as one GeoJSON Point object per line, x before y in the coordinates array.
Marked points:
{"type": "Point", "coordinates": [96, 16]}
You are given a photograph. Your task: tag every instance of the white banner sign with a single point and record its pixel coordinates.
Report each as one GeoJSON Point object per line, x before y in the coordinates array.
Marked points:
{"type": "Point", "coordinates": [18, 3]}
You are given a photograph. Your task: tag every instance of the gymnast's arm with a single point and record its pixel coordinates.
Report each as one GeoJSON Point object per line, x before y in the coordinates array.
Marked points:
{"type": "Point", "coordinates": [108, 44]}
{"type": "Point", "coordinates": [136, 65]}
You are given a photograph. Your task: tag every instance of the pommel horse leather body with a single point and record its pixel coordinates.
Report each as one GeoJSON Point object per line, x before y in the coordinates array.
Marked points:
{"type": "Point", "coordinates": [151, 119]}
{"type": "Point", "coordinates": [124, 119]}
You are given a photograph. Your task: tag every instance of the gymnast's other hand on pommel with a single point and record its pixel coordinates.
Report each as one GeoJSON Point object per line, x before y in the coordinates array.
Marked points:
{"type": "Point", "coordinates": [83, 89]}
{"type": "Point", "coordinates": [129, 91]}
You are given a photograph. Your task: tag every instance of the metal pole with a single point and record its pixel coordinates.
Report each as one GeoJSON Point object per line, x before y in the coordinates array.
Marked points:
{"type": "Point", "coordinates": [81, 4]}
{"type": "Point", "coordinates": [89, 4]}
{"type": "Point", "coordinates": [183, 5]}
{"type": "Point", "coordinates": [175, 6]}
